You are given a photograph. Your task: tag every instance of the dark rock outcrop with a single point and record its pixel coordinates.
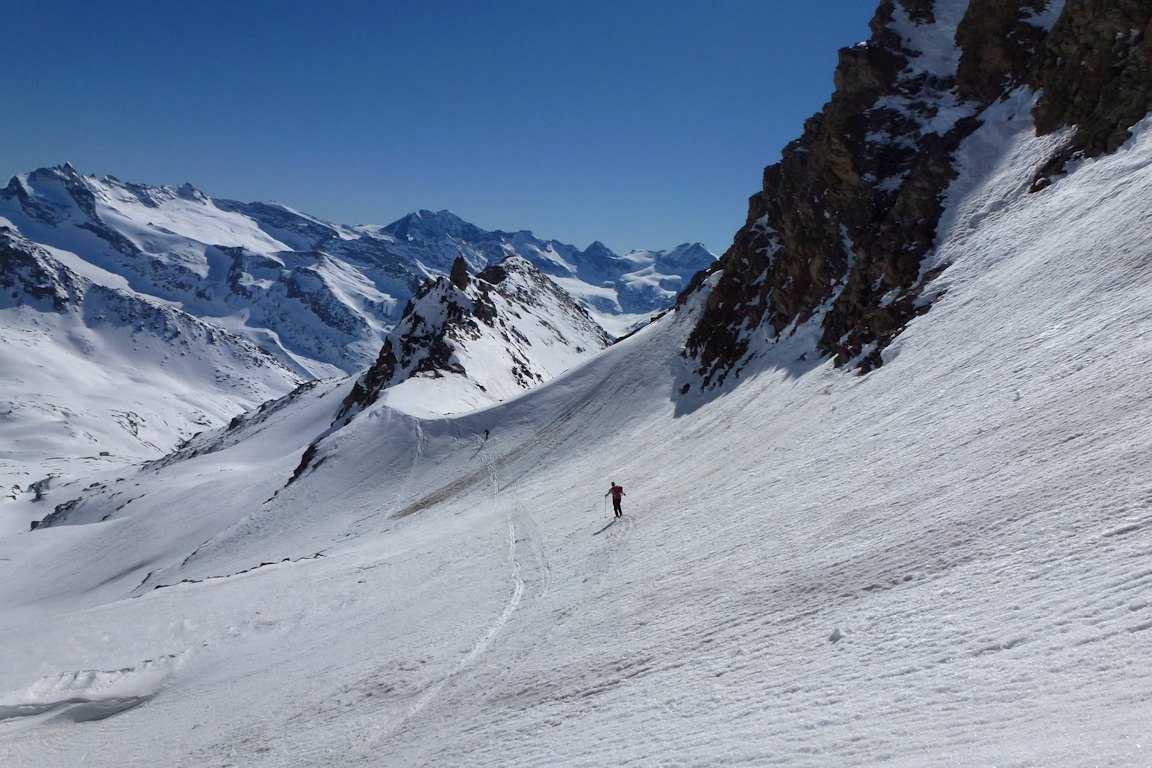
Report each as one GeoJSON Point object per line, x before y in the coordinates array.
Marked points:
{"type": "Point", "coordinates": [459, 274]}
{"type": "Point", "coordinates": [838, 235]}
{"type": "Point", "coordinates": [1095, 72]}
{"type": "Point", "coordinates": [28, 275]}
{"type": "Point", "coordinates": [501, 303]}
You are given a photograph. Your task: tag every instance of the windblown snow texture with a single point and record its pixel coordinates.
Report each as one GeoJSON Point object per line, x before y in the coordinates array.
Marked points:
{"type": "Point", "coordinates": [941, 563]}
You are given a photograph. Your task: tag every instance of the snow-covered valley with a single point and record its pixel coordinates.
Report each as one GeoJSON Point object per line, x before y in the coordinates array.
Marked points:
{"type": "Point", "coordinates": [135, 316]}
{"type": "Point", "coordinates": [942, 563]}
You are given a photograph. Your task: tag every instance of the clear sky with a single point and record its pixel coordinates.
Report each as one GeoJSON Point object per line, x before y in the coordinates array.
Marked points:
{"type": "Point", "coordinates": [640, 123]}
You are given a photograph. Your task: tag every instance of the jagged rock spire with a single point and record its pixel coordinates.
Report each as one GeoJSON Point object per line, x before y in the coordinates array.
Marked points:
{"type": "Point", "coordinates": [459, 275]}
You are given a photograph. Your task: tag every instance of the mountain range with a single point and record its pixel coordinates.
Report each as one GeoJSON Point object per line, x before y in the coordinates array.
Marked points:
{"type": "Point", "coordinates": [318, 296]}
{"type": "Point", "coordinates": [182, 311]}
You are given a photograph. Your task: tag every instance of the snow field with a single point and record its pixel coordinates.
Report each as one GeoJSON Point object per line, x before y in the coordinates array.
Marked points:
{"type": "Point", "coordinates": [122, 393]}
{"type": "Point", "coordinates": [943, 563]}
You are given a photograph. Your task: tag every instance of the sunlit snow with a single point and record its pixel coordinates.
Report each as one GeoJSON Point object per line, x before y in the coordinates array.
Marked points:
{"type": "Point", "coordinates": [942, 563]}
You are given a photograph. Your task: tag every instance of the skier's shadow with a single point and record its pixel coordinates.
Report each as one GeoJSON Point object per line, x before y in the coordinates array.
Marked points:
{"type": "Point", "coordinates": [610, 524]}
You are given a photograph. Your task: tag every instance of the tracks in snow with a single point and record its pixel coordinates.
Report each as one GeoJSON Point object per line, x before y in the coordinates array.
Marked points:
{"type": "Point", "coordinates": [521, 529]}
{"type": "Point", "coordinates": [521, 526]}
{"type": "Point", "coordinates": [402, 489]}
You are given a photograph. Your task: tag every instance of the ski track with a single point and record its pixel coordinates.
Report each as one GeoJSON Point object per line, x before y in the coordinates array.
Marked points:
{"type": "Point", "coordinates": [534, 582]}
{"type": "Point", "coordinates": [523, 544]}
{"type": "Point", "coordinates": [942, 672]}
{"type": "Point", "coordinates": [522, 519]}
{"type": "Point", "coordinates": [403, 486]}
{"type": "Point", "coordinates": [481, 645]}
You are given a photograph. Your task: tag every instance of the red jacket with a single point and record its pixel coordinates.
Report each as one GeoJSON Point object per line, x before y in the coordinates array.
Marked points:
{"type": "Point", "coordinates": [616, 492]}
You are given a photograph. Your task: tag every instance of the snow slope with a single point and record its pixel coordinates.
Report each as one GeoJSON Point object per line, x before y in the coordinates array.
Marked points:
{"type": "Point", "coordinates": [134, 316]}
{"type": "Point", "coordinates": [98, 375]}
{"type": "Point", "coordinates": [943, 563]}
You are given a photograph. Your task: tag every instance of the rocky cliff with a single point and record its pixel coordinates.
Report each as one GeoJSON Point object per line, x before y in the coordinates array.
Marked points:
{"type": "Point", "coordinates": [1095, 74]}
{"type": "Point", "coordinates": [836, 239]}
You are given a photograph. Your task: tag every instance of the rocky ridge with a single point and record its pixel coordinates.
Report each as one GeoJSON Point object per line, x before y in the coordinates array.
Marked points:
{"type": "Point", "coordinates": [501, 331]}
{"type": "Point", "coordinates": [837, 237]}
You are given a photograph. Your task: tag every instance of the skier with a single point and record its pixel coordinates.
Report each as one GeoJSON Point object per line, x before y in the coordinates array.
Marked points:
{"type": "Point", "coordinates": [616, 492]}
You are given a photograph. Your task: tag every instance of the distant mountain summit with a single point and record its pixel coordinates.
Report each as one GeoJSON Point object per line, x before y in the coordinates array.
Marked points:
{"type": "Point", "coordinates": [253, 298]}
{"type": "Point", "coordinates": [621, 292]}
{"type": "Point", "coordinates": [431, 225]}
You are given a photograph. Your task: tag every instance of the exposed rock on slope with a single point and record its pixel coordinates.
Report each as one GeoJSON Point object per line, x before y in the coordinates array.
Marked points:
{"type": "Point", "coordinates": [28, 275]}
{"type": "Point", "coordinates": [1095, 72]}
{"type": "Point", "coordinates": [498, 333]}
{"type": "Point", "coordinates": [839, 233]}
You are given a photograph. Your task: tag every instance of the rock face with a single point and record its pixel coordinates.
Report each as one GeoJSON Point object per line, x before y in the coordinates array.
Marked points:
{"type": "Point", "coordinates": [29, 275]}
{"type": "Point", "coordinates": [504, 330]}
{"type": "Point", "coordinates": [838, 234]}
{"type": "Point", "coordinates": [1095, 73]}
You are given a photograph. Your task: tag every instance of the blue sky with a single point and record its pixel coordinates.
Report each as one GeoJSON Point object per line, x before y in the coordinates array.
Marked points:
{"type": "Point", "coordinates": [641, 123]}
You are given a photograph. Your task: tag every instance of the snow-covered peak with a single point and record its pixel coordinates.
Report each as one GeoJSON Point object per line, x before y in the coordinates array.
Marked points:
{"type": "Point", "coordinates": [467, 341]}
{"type": "Point", "coordinates": [160, 222]}
{"type": "Point", "coordinates": [597, 250]}
{"type": "Point", "coordinates": [425, 225]}
{"type": "Point", "coordinates": [46, 182]}
{"type": "Point", "coordinates": [65, 172]}
{"type": "Point", "coordinates": [684, 260]}
{"type": "Point", "coordinates": [621, 292]}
